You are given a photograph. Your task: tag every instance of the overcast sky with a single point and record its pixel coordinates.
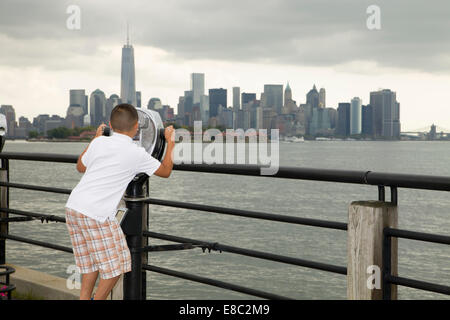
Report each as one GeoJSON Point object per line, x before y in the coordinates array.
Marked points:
{"type": "Point", "coordinates": [235, 43]}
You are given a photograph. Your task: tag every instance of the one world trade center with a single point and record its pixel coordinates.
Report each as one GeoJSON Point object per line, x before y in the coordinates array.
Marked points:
{"type": "Point", "coordinates": [127, 76]}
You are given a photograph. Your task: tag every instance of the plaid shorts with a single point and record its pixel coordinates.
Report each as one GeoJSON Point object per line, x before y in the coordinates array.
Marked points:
{"type": "Point", "coordinates": [98, 246]}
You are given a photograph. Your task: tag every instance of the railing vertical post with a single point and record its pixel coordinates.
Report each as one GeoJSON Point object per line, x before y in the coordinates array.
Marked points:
{"type": "Point", "coordinates": [4, 203]}
{"type": "Point", "coordinates": [365, 240]}
{"type": "Point", "coordinates": [133, 227]}
{"type": "Point", "coordinates": [387, 261]}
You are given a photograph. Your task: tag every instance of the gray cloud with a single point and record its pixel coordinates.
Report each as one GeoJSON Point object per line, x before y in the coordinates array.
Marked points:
{"type": "Point", "coordinates": [414, 35]}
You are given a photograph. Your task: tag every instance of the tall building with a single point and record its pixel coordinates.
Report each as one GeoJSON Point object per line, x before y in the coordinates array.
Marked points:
{"type": "Point", "coordinates": [343, 123]}
{"type": "Point", "coordinates": [78, 98]}
{"type": "Point", "coordinates": [312, 98]}
{"type": "Point", "coordinates": [217, 99]}
{"type": "Point", "coordinates": [247, 97]}
{"type": "Point", "coordinates": [322, 98]}
{"type": "Point", "coordinates": [112, 101]}
{"type": "Point", "coordinates": [355, 116]}
{"type": "Point", "coordinates": [386, 114]}
{"type": "Point", "coordinates": [236, 98]}
{"type": "Point", "coordinates": [77, 108]}
{"type": "Point", "coordinates": [367, 120]}
{"type": "Point", "coordinates": [273, 94]}
{"type": "Point", "coordinates": [197, 86]}
{"type": "Point", "coordinates": [287, 93]}
{"type": "Point", "coordinates": [154, 104]}
{"type": "Point", "coordinates": [204, 108]}
{"type": "Point", "coordinates": [127, 75]}
{"type": "Point", "coordinates": [188, 102]}
{"type": "Point", "coordinates": [97, 107]}
{"type": "Point", "coordinates": [39, 122]}
{"type": "Point", "coordinates": [289, 105]}
{"type": "Point", "coordinates": [320, 121]}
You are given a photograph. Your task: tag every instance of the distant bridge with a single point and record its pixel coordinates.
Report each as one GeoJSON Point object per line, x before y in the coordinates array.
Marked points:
{"type": "Point", "coordinates": [424, 130]}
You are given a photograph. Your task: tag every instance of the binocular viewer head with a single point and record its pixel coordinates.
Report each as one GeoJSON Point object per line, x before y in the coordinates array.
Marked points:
{"type": "Point", "coordinates": [3, 130]}
{"type": "Point", "coordinates": [150, 134]}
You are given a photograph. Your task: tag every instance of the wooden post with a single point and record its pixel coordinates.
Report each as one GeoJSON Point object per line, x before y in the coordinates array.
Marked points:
{"type": "Point", "coordinates": [366, 221]}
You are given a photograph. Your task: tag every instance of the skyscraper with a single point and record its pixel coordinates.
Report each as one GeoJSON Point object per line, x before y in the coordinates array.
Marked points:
{"type": "Point", "coordinates": [78, 98]}
{"type": "Point", "coordinates": [98, 107]}
{"type": "Point", "coordinates": [217, 97]}
{"type": "Point", "coordinates": [111, 102]}
{"type": "Point", "coordinates": [355, 116]}
{"type": "Point", "coordinates": [127, 76]}
{"type": "Point", "coordinates": [343, 125]}
{"type": "Point", "coordinates": [386, 114]}
{"type": "Point", "coordinates": [197, 86]}
{"type": "Point", "coordinates": [247, 97]}
{"type": "Point", "coordinates": [273, 94]}
{"type": "Point", "coordinates": [367, 120]}
{"type": "Point", "coordinates": [236, 98]}
{"type": "Point", "coordinates": [322, 98]}
{"type": "Point", "coordinates": [312, 98]}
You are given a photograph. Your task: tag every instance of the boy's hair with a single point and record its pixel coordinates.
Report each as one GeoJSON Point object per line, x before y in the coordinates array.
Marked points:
{"type": "Point", "coordinates": [123, 117]}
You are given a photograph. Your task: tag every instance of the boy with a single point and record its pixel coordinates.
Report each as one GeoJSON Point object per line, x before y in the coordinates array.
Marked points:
{"type": "Point", "coordinates": [109, 163]}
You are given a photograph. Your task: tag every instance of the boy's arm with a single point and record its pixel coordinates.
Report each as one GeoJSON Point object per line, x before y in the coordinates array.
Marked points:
{"type": "Point", "coordinates": [165, 169]}
{"type": "Point", "coordinates": [80, 166]}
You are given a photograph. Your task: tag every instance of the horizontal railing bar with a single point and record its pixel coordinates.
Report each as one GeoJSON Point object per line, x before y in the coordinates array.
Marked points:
{"type": "Point", "coordinates": [47, 217]}
{"type": "Point", "coordinates": [15, 219]}
{"type": "Point", "coordinates": [46, 157]}
{"type": "Point", "coordinates": [416, 284]}
{"type": "Point", "coordinates": [252, 253]}
{"type": "Point", "coordinates": [215, 283]}
{"type": "Point", "coordinates": [420, 236]}
{"type": "Point", "coordinates": [36, 188]}
{"type": "Point", "coordinates": [327, 175]}
{"type": "Point", "coordinates": [168, 247]}
{"type": "Point", "coordinates": [37, 243]}
{"type": "Point", "coordinates": [250, 214]}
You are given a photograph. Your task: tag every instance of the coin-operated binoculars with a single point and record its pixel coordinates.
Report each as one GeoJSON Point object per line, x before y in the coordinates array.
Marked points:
{"type": "Point", "coordinates": [3, 130]}
{"type": "Point", "coordinates": [150, 136]}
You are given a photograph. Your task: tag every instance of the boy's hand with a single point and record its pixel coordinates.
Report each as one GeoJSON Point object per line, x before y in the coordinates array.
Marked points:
{"type": "Point", "coordinates": [100, 130]}
{"type": "Point", "coordinates": [168, 134]}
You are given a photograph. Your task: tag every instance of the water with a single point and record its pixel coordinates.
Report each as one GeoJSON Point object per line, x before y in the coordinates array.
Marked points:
{"type": "Point", "coordinates": [426, 211]}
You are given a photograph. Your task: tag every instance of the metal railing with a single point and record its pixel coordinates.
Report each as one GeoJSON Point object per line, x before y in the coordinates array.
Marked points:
{"type": "Point", "coordinates": [137, 233]}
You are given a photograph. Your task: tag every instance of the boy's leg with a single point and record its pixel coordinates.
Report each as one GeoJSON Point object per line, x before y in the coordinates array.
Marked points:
{"type": "Point", "coordinates": [104, 288]}
{"type": "Point", "coordinates": [87, 285]}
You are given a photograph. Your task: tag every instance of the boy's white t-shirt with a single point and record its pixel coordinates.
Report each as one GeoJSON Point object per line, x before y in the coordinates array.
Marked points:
{"type": "Point", "coordinates": [111, 163]}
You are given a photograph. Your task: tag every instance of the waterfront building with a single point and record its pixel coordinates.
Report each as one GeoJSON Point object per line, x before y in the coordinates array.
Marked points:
{"type": "Point", "coordinates": [343, 125]}
{"type": "Point", "coordinates": [355, 116]}
{"type": "Point", "coordinates": [386, 114]}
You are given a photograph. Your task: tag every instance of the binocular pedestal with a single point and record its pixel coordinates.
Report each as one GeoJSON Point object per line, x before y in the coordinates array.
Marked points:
{"type": "Point", "coordinates": [134, 282]}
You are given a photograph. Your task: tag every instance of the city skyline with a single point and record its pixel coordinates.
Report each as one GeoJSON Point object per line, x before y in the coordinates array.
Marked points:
{"type": "Point", "coordinates": [411, 59]}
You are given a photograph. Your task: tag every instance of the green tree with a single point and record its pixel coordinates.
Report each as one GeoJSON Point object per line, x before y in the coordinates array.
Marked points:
{"type": "Point", "coordinates": [33, 134]}
{"type": "Point", "coordinates": [59, 133]}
